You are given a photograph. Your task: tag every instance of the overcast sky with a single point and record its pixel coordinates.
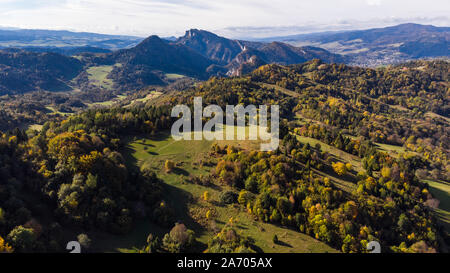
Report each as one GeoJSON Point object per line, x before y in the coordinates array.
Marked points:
{"type": "Point", "coordinates": [232, 18]}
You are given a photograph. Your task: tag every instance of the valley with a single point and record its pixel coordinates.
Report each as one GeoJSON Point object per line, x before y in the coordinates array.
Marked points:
{"type": "Point", "coordinates": [363, 154]}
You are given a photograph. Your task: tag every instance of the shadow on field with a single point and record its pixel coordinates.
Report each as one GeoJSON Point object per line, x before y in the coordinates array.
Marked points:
{"type": "Point", "coordinates": [179, 171]}
{"type": "Point", "coordinates": [130, 161]}
{"type": "Point", "coordinates": [281, 243]}
{"type": "Point", "coordinates": [178, 200]}
{"type": "Point", "coordinates": [160, 136]}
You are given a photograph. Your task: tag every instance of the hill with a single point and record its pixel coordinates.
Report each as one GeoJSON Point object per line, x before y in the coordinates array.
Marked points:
{"type": "Point", "coordinates": [147, 63]}
{"type": "Point", "coordinates": [198, 54]}
{"type": "Point", "coordinates": [22, 71]}
{"type": "Point", "coordinates": [158, 54]}
{"type": "Point", "coordinates": [286, 54]}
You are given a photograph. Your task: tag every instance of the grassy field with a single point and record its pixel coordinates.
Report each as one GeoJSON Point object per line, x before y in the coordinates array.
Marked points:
{"type": "Point", "coordinates": [35, 127]}
{"type": "Point", "coordinates": [108, 103]}
{"type": "Point", "coordinates": [53, 111]}
{"type": "Point", "coordinates": [441, 191]}
{"type": "Point", "coordinates": [174, 77]}
{"type": "Point", "coordinates": [343, 183]}
{"type": "Point", "coordinates": [391, 148]}
{"type": "Point", "coordinates": [152, 96]}
{"type": "Point", "coordinates": [434, 115]}
{"type": "Point", "coordinates": [190, 208]}
{"type": "Point", "coordinates": [354, 160]}
{"type": "Point", "coordinates": [281, 90]}
{"type": "Point", "coordinates": [98, 76]}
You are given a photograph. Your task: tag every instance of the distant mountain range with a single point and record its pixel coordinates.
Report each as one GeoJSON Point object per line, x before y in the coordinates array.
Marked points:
{"type": "Point", "coordinates": [228, 56]}
{"type": "Point", "coordinates": [201, 54]}
{"type": "Point", "coordinates": [379, 46]}
{"type": "Point", "coordinates": [24, 38]}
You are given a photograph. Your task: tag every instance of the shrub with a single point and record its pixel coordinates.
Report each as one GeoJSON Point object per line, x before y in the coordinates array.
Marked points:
{"type": "Point", "coordinates": [228, 197]}
{"type": "Point", "coordinates": [169, 166]}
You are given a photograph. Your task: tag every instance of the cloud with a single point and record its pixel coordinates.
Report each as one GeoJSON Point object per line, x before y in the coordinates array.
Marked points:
{"type": "Point", "coordinates": [374, 2]}
{"type": "Point", "coordinates": [250, 32]}
{"type": "Point", "coordinates": [173, 17]}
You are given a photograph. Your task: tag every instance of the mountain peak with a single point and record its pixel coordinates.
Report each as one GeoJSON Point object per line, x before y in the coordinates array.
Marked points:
{"type": "Point", "coordinates": [151, 39]}
{"type": "Point", "coordinates": [279, 44]}
{"type": "Point", "coordinates": [152, 42]}
{"type": "Point", "coordinates": [219, 49]}
{"type": "Point", "coordinates": [198, 33]}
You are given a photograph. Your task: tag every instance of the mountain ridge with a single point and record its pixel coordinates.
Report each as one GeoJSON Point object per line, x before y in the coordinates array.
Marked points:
{"type": "Point", "coordinates": [201, 54]}
{"type": "Point", "coordinates": [22, 38]}
{"type": "Point", "coordinates": [231, 54]}
{"type": "Point", "coordinates": [379, 46]}
{"type": "Point", "coordinates": [22, 71]}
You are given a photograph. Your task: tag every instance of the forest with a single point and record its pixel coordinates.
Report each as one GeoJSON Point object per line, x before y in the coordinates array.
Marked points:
{"type": "Point", "coordinates": [357, 147]}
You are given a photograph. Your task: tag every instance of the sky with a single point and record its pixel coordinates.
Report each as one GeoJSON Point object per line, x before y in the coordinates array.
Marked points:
{"type": "Point", "coordinates": [231, 18]}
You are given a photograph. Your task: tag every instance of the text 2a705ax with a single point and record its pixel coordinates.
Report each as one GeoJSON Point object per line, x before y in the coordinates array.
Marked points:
{"type": "Point", "coordinates": [246, 262]}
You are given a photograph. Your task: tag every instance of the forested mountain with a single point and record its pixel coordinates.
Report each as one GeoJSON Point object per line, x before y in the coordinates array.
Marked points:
{"type": "Point", "coordinates": [199, 55]}
{"type": "Point", "coordinates": [218, 49]}
{"type": "Point", "coordinates": [158, 54]}
{"type": "Point", "coordinates": [372, 47]}
{"type": "Point", "coordinates": [231, 54]}
{"type": "Point", "coordinates": [22, 71]}
{"type": "Point", "coordinates": [285, 54]}
{"type": "Point", "coordinates": [381, 45]}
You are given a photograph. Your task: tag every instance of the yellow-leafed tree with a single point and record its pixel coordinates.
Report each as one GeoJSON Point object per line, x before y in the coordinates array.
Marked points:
{"type": "Point", "coordinates": [4, 247]}
{"type": "Point", "coordinates": [206, 196]}
{"type": "Point", "coordinates": [169, 166]}
{"type": "Point", "coordinates": [340, 168]}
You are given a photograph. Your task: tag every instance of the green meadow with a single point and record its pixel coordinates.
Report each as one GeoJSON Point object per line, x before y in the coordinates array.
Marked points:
{"type": "Point", "coordinates": [98, 75]}
{"type": "Point", "coordinates": [189, 206]}
{"type": "Point", "coordinates": [441, 191]}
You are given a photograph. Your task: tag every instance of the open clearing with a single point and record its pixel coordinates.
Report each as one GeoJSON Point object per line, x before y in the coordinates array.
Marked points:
{"type": "Point", "coordinates": [441, 191]}
{"type": "Point", "coordinates": [354, 160]}
{"type": "Point", "coordinates": [153, 95]}
{"type": "Point", "coordinates": [98, 76]}
{"type": "Point", "coordinates": [337, 155]}
{"type": "Point", "coordinates": [53, 111]}
{"type": "Point", "coordinates": [108, 103]}
{"type": "Point", "coordinates": [152, 152]}
{"type": "Point", "coordinates": [36, 127]}
{"type": "Point", "coordinates": [391, 148]}
{"type": "Point", "coordinates": [281, 89]}
{"type": "Point", "coordinates": [174, 77]}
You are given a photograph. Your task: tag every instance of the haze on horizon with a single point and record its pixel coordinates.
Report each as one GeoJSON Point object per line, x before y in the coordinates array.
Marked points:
{"type": "Point", "coordinates": [232, 18]}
